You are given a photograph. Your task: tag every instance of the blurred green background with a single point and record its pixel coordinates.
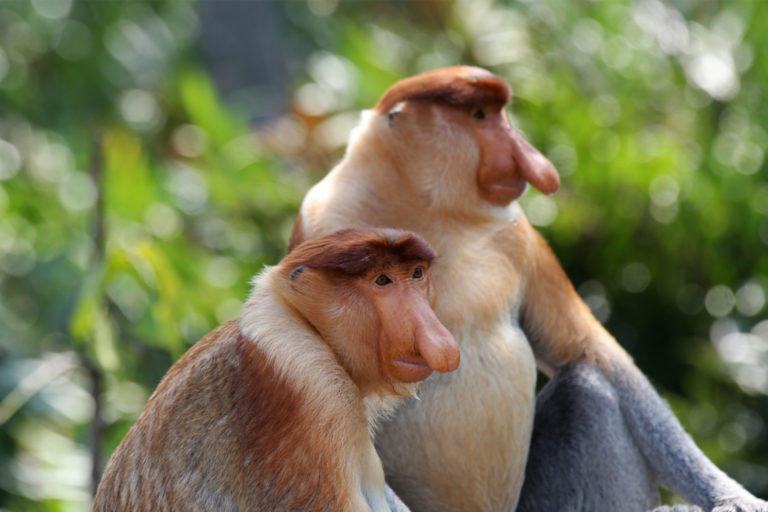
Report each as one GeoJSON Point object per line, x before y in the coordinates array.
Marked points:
{"type": "Point", "coordinates": [153, 155]}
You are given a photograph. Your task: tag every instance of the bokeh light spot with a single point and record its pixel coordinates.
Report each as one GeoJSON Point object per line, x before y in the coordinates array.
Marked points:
{"type": "Point", "coordinates": [664, 190]}
{"type": "Point", "coordinates": [52, 162]}
{"type": "Point", "coordinates": [750, 298]}
{"type": "Point", "coordinates": [593, 294]}
{"type": "Point", "coordinates": [635, 277]}
{"type": "Point", "coordinates": [140, 109]}
{"type": "Point", "coordinates": [228, 309]}
{"type": "Point", "coordinates": [52, 9]}
{"type": "Point", "coordinates": [564, 158]}
{"type": "Point", "coordinates": [162, 220]}
{"type": "Point", "coordinates": [189, 140]}
{"type": "Point", "coordinates": [10, 160]}
{"type": "Point", "coordinates": [222, 272]}
{"type": "Point", "coordinates": [719, 301]}
{"type": "Point", "coordinates": [78, 192]}
{"type": "Point", "coordinates": [540, 210]}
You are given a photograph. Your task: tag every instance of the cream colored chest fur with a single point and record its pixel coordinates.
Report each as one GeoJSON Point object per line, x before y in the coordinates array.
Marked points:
{"type": "Point", "coordinates": [483, 408]}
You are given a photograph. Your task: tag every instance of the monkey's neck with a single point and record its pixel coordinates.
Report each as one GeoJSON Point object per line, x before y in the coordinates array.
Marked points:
{"type": "Point", "coordinates": [329, 396]}
{"type": "Point", "coordinates": [295, 348]}
{"type": "Point", "coordinates": [380, 405]}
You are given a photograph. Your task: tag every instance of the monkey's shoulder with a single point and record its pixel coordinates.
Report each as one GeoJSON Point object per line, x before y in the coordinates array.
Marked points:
{"type": "Point", "coordinates": [226, 366]}
{"type": "Point", "coordinates": [226, 405]}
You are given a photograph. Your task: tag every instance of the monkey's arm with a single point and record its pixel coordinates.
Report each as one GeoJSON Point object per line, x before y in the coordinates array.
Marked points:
{"type": "Point", "coordinates": [674, 458]}
{"type": "Point", "coordinates": [562, 330]}
{"type": "Point", "coordinates": [558, 324]}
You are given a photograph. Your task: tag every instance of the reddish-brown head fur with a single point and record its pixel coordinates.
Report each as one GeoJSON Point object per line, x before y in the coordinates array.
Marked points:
{"type": "Point", "coordinates": [459, 86]}
{"type": "Point", "coordinates": [355, 252]}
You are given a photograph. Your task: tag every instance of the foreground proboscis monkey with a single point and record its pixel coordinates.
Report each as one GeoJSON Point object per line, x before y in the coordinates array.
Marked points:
{"type": "Point", "coordinates": [438, 156]}
{"type": "Point", "coordinates": [274, 411]}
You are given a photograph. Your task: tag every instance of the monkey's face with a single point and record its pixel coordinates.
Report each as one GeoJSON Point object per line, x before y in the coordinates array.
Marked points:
{"type": "Point", "coordinates": [381, 324]}
{"type": "Point", "coordinates": [431, 154]}
{"type": "Point", "coordinates": [368, 294]}
{"type": "Point", "coordinates": [450, 131]}
{"type": "Point", "coordinates": [507, 163]}
{"type": "Point", "coordinates": [411, 341]}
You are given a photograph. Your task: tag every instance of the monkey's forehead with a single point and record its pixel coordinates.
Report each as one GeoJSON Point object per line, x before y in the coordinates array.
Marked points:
{"type": "Point", "coordinates": [461, 86]}
{"type": "Point", "coordinates": [356, 252]}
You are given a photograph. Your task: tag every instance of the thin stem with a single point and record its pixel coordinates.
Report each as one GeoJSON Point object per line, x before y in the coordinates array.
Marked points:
{"type": "Point", "coordinates": [94, 371]}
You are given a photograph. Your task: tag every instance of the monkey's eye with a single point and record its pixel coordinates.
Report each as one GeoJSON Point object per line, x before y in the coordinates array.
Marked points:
{"type": "Point", "coordinates": [418, 272]}
{"type": "Point", "coordinates": [383, 280]}
{"type": "Point", "coordinates": [479, 114]}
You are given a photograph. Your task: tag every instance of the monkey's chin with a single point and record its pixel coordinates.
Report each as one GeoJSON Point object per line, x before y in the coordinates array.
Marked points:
{"type": "Point", "coordinates": [407, 390]}
{"type": "Point", "coordinates": [409, 371]}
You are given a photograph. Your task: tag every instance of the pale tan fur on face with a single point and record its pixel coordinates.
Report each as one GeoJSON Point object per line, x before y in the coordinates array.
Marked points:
{"type": "Point", "coordinates": [334, 319]}
{"type": "Point", "coordinates": [463, 447]}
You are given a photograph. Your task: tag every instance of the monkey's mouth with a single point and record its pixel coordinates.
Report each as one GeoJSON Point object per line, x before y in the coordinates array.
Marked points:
{"type": "Point", "coordinates": [411, 363]}
{"type": "Point", "coordinates": [516, 187]}
{"type": "Point", "coordinates": [409, 370]}
{"type": "Point", "coordinates": [502, 193]}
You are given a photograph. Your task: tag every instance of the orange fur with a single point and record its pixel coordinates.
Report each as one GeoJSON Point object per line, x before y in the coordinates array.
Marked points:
{"type": "Point", "coordinates": [460, 86]}
{"type": "Point", "coordinates": [437, 156]}
{"type": "Point", "coordinates": [274, 410]}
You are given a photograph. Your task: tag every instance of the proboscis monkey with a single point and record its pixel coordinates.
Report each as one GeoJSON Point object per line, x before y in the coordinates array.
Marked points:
{"type": "Point", "coordinates": [274, 411]}
{"type": "Point", "coordinates": [438, 156]}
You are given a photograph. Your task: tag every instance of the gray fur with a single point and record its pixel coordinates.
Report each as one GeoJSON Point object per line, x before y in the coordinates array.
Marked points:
{"type": "Point", "coordinates": [678, 508]}
{"type": "Point", "coordinates": [675, 460]}
{"type": "Point", "coordinates": [395, 505]}
{"type": "Point", "coordinates": [602, 444]}
{"type": "Point", "coordinates": [582, 456]}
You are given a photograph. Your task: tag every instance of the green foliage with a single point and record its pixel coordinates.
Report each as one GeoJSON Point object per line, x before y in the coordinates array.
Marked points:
{"type": "Point", "coordinates": [135, 209]}
{"type": "Point", "coordinates": [136, 204]}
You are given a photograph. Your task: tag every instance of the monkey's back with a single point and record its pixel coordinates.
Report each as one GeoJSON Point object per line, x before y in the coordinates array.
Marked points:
{"type": "Point", "coordinates": [222, 431]}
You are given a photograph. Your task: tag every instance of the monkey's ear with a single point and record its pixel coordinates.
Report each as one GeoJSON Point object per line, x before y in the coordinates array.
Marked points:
{"type": "Point", "coordinates": [533, 166]}
{"type": "Point", "coordinates": [396, 109]}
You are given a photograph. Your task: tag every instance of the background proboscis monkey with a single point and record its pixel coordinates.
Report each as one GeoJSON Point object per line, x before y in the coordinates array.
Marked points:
{"type": "Point", "coordinates": [438, 156]}
{"type": "Point", "coordinates": [275, 410]}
